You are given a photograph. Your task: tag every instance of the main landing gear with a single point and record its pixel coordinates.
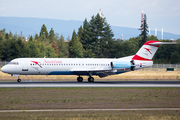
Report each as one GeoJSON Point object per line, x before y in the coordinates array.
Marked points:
{"type": "Point", "coordinates": [90, 79]}
{"type": "Point", "coordinates": [18, 80]}
{"type": "Point", "coordinates": [80, 79]}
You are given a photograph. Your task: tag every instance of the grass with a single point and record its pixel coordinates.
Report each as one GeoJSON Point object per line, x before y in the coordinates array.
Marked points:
{"type": "Point", "coordinates": [91, 115]}
{"type": "Point", "coordinates": [142, 74]}
{"type": "Point", "coordinates": [87, 98]}
{"type": "Point", "coordinates": [90, 98]}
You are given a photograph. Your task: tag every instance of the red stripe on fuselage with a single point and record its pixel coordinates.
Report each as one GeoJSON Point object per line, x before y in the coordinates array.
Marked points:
{"type": "Point", "coordinates": [36, 63]}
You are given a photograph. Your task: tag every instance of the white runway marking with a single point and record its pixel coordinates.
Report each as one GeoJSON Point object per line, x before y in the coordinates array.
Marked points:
{"type": "Point", "coordinates": [71, 110]}
{"type": "Point", "coordinates": [87, 85]}
{"type": "Point", "coordinates": [95, 84]}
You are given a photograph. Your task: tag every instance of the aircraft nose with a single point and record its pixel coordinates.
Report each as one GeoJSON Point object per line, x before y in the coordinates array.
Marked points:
{"type": "Point", "coordinates": [4, 69]}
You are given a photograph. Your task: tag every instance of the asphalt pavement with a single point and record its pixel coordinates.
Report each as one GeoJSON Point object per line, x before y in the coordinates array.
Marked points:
{"type": "Point", "coordinates": [94, 84]}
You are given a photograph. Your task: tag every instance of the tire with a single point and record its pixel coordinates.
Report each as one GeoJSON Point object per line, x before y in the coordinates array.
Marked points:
{"type": "Point", "coordinates": [80, 79]}
{"type": "Point", "coordinates": [90, 79]}
{"type": "Point", "coordinates": [18, 80]}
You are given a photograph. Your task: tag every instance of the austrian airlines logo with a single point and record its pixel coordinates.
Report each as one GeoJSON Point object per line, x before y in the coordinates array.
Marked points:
{"type": "Point", "coordinates": [148, 50]}
{"type": "Point", "coordinates": [37, 63]}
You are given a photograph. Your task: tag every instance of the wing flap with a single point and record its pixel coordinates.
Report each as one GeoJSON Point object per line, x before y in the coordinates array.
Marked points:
{"type": "Point", "coordinates": [104, 74]}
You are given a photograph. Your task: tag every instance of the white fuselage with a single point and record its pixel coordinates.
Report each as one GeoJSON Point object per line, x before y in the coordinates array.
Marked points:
{"type": "Point", "coordinates": [69, 66]}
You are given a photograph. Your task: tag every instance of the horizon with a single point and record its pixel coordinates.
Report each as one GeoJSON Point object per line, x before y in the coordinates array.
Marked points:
{"type": "Point", "coordinates": [32, 25]}
{"type": "Point", "coordinates": [82, 21]}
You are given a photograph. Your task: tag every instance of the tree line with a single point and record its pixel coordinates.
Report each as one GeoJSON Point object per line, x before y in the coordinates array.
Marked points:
{"type": "Point", "coordinates": [94, 39]}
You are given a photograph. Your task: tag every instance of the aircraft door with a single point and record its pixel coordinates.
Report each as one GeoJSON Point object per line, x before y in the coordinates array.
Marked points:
{"type": "Point", "coordinates": [24, 66]}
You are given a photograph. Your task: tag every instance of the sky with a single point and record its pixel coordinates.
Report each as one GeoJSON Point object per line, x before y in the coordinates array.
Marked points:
{"type": "Point", "coordinates": [126, 13]}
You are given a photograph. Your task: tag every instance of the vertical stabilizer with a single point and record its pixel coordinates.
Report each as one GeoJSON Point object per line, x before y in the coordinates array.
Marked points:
{"type": "Point", "coordinates": [147, 51]}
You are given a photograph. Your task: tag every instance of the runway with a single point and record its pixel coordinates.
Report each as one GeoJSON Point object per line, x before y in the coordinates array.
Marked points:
{"type": "Point", "coordinates": [80, 110]}
{"type": "Point", "coordinates": [121, 84]}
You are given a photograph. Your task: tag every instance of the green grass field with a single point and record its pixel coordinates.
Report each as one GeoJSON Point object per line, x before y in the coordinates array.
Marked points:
{"type": "Point", "coordinates": [91, 115]}
{"type": "Point", "coordinates": [90, 98]}
{"type": "Point", "coordinates": [87, 98]}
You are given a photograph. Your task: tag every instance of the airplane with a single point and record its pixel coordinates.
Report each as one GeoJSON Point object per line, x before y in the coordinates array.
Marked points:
{"type": "Point", "coordinates": [84, 66]}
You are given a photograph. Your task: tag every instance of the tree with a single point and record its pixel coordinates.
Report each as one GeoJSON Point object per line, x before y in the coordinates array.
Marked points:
{"type": "Point", "coordinates": [3, 31]}
{"type": "Point", "coordinates": [152, 37]}
{"type": "Point", "coordinates": [36, 37]}
{"type": "Point", "coordinates": [178, 40]}
{"type": "Point", "coordinates": [10, 34]}
{"type": "Point", "coordinates": [178, 45]}
{"type": "Point", "coordinates": [97, 37]}
{"type": "Point", "coordinates": [22, 45]}
{"type": "Point", "coordinates": [32, 49]}
{"type": "Point", "coordinates": [31, 39]}
{"type": "Point", "coordinates": [51, 35]}
{"type": "Point", "coordinates": [50, 52]}
{"type": "Point", "coordinates": [15, 50]}
{"type": "Point", "coordinates": [63, 47]}
{"type": "Point", "coordinates": [144, 33]}
{"type": "Point", "coordinates": [1, 43]}
{"type": "Point", "coordinates": [107, 43]}
{"type": "Point", "coordinates": [80, 33]}
{"type": "Point", "coordinates": [41, 48]}
{"type": "Point", "coordinates": [43, 31]}
{"type": "Point", "coordinates": [6, 50]}
{"type": "Point", "coordinates": [86, 36]}
{"type": "Point", "coordinates": [164, 53]}
{"type": "Point", "coordinates": [7, 36]}
{"type": "Point", "coordinates": [75, 47]}
{"type": "Point", "coordinates": [175, 58]}
{"type": "Point", "coordinates": [94, 43]}
{"type": "Point", "coordinates": [55, 46]}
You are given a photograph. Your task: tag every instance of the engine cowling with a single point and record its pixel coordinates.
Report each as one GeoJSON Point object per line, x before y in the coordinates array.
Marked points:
{"type": "Point", "coordinates": [123, 65]}
{"type": "Point", "coordinates": [120, 65]}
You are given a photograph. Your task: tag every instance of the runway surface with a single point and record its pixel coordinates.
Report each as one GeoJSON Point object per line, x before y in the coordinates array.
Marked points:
{"type": "Point", "coordinates": [71, 110]}
{"type": "Point", "coordinates": [94, 84]}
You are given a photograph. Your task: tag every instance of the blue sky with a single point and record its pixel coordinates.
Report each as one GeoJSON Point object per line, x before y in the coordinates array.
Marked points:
{"type": "Point", "coordinates": [127, 13]}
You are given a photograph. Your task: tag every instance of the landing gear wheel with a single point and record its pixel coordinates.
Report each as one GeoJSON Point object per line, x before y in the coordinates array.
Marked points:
{"type": "Point", "coordinates": [18, 80]}
{"type": "Point", "coordinates": [90, 79]}
{"type": "Point", "coordinates": [80, 79]}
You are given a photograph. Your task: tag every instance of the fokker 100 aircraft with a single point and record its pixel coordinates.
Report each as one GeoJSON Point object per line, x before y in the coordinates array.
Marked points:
{"type": "Point", "coordinates": [83, 66]}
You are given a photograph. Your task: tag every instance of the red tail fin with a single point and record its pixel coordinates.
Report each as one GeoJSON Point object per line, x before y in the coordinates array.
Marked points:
{"type": "Point", "coordinates": [147, 51]}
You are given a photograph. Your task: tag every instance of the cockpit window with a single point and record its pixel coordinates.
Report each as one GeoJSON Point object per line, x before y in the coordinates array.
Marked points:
{"type": "Point", "coordinates": [13, 63]}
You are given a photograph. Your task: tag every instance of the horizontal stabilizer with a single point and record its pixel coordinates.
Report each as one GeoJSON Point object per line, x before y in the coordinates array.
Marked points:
{"type": "Point", "coordinates": [162, 43]}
